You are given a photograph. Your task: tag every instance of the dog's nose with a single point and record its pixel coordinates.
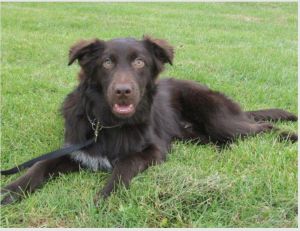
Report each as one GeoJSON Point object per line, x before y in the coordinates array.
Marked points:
{"type": "Point", "coordinates": [123, 89]}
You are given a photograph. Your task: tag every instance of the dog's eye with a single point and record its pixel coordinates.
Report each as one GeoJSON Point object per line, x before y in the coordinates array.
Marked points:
{"type": "Point", "coordinates": [138, 63]}
{"type": "Point", "coordinates": [108, 63]}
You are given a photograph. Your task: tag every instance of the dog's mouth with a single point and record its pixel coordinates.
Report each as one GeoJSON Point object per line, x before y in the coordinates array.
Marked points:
{"type": "Point", "coordinates": [123, 110]}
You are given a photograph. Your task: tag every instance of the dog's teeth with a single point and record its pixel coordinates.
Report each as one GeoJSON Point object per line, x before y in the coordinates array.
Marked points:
{"type": "Point", "coordinates": [123, 108]}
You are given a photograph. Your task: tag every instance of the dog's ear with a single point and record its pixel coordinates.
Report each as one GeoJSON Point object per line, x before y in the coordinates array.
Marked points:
{"type": "Point", "coordinates": [84, 49]}
{"type": "Point", "coordinates": [161, 49]}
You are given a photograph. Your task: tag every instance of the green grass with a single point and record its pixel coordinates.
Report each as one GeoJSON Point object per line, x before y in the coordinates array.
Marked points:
{"type": "Point", "coordinates": [246, 50]}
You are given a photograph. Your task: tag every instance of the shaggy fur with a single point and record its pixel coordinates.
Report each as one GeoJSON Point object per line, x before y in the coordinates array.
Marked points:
{"type": "Point", "coordinates": [141, 115]}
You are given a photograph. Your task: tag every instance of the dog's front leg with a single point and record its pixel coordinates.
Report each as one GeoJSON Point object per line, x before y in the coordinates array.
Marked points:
{"type": "Point", "coordinates": [35, 176]}
{"type": "Point", "coordinates": [128, 167]}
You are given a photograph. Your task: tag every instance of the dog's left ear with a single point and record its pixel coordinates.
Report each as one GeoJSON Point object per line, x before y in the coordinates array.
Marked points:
{"type": "Point", "coordinates": [162, 50]}
{"type": "Point", "coordinates": [83, 49]}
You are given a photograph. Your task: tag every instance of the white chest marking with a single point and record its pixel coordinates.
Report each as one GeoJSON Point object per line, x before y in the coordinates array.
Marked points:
{"type": "Point", "coordinates": [94, 163]}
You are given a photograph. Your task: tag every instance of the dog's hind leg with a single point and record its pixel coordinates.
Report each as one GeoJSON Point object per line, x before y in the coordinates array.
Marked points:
{"type": "Point", "coordinates": [275, 115]}
{"type": "Point", "coordinates": [215, 115]}
{"type": "Point", "coordinates": [35, 177]}
{"type": "Point", "coordinates": [293, 137]}
{"type": "Point", "coordinates": [271, 115]}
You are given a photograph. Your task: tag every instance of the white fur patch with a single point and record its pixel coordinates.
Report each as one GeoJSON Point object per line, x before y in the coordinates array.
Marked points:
{"type": "Point", "coordinates": [94, 163]}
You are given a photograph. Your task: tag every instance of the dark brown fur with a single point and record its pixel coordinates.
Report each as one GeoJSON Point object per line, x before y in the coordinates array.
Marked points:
{"type": "Point", "coordinates": [112, 74]}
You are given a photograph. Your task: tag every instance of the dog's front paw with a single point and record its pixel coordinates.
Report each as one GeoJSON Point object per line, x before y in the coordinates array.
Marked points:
{"type": "Point", "coordinates": [96, 199]}
{"type": "Point", "coordinates": [102, 195]}
{"type": "Point", "coordinates": [10, 195]}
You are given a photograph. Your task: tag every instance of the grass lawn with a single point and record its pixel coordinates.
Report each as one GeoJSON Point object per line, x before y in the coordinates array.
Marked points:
{"type": "Point", "coordinates": [246, 50]}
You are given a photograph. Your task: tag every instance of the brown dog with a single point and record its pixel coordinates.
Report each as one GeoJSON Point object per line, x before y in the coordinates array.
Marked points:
{"type": "Point", "coordinates": [139, 115]}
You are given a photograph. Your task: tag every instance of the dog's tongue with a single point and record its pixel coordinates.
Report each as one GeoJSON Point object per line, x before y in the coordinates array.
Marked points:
{"type": "Point", "coordinates": [123, 109]}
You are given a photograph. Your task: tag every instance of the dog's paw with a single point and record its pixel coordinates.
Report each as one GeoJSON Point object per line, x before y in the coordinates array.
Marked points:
{"type": "Point", "coordinates": [100, 196]}
{"type": "Point", "coordinates": [9, 196]}
{"type": "Point", "coordinates": [267, 127]}
{"type": "Point", "coordinates": [96, 199]}
{"type": "Point", "coordinates": [288, 136]}
{"type": "Point", "coordinates": [264, 127]}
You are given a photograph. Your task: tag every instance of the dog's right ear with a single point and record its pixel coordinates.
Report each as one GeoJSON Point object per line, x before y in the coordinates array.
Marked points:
{"type": "Point", "coordinates": [83, 49]}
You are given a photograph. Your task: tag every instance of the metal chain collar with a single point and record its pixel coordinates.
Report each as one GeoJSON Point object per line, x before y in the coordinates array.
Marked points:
{"type": "Point", "coordinates": [97, 126]}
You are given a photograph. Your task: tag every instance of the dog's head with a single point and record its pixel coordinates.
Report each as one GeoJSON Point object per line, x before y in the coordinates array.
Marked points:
{"type": "Point", "coordinates": [122, 69]}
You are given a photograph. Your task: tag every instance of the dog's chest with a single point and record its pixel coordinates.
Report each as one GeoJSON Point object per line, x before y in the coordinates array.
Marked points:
{"type": "Point", "coordinates": [95, 163]}
{"type": "Point", "coordinates": [110, 147]}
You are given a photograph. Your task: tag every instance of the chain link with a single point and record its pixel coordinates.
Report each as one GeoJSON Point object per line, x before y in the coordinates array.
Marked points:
{"type": "Point", "coordinates": [97, 127]}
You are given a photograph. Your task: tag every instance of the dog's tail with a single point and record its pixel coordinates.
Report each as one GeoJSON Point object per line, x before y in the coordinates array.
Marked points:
{"type": "Point", "coordinates": [271, 115]}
